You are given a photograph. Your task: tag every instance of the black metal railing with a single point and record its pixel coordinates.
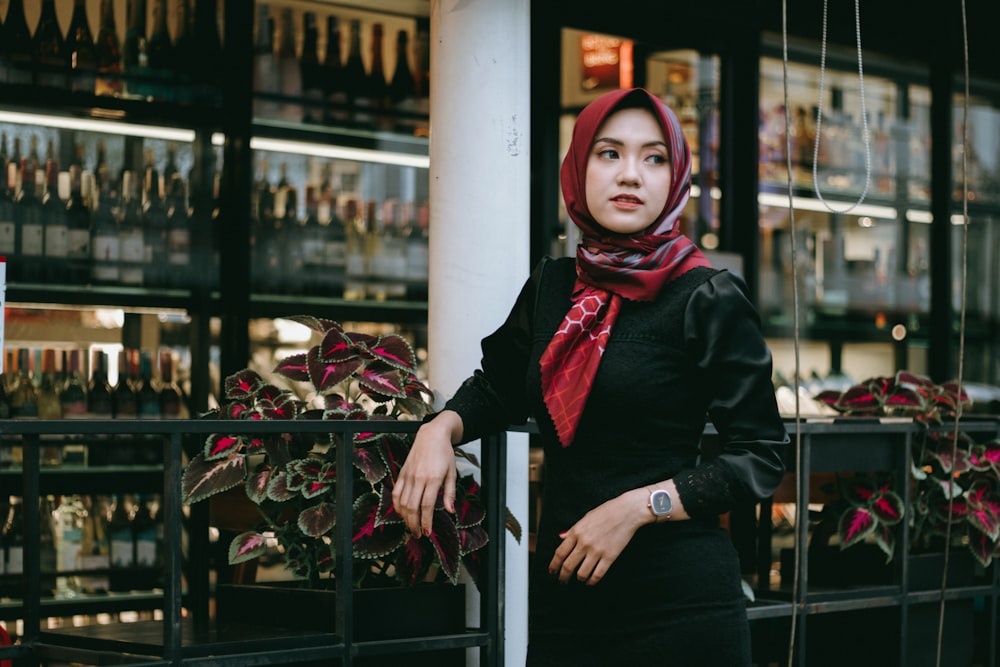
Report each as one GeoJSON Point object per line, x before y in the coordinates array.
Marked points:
{"type": "Point", "coordinates": [186, 638]}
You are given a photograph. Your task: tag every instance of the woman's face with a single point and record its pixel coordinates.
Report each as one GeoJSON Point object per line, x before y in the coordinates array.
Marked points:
{"type": "Point", "coordinates": [628, 172]}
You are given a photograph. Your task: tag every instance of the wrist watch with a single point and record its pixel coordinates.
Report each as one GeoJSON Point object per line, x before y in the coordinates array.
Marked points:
{"type": "Point", "coordinates": [660, 504]}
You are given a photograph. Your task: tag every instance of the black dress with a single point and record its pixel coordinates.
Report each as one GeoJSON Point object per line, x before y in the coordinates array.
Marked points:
{"type": "Point", "coordinates": [674, 595]}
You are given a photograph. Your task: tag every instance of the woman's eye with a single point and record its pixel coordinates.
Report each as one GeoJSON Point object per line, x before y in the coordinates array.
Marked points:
{"type": "Point", "coordinates": [657, 159]}
{"type": "Point", "coordinates": [608, 153]}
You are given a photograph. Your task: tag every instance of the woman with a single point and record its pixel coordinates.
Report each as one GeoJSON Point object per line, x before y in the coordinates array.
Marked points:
{"type": "Point", "coordinates": [621, 354]}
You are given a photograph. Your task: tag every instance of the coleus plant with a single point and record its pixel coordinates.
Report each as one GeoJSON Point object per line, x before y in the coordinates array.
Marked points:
{"type": "Point", "coordinates": [954, 479]}
{"type": "Point", "coordinates": [291, 477]}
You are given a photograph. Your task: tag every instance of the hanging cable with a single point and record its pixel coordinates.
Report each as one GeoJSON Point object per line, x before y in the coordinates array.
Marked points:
{"type": "Point", "coordinates": [961, 327]}
{"type": "Point", "coordinates": [801, 519]}
{"type": "Point", "coordinates": [864, 113]}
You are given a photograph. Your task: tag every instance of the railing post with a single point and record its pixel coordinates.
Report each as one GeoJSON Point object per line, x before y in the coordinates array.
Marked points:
{"type": "Point", "coordinates": [172, 602]}
{"type": "Point", "coordinates": [494, 454]}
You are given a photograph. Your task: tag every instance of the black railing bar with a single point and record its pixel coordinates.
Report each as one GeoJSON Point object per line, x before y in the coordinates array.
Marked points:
{"type": "Point", "coordinates": [32, 513]}
{"type": "Point", "coordinates": [172, 521]}
{"type": "Point", "coordinates": [494, 453]}
{"type": "Point", "coordinates": [200, 426]}
{"type": "Point", "coordinates": [416, 644]}
{"type": "Point", "coordinates": [345, 551]}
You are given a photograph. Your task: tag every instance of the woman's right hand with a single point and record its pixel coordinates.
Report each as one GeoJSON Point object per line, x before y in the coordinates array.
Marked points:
{"type": "Point", "coordinates": [429, 468]}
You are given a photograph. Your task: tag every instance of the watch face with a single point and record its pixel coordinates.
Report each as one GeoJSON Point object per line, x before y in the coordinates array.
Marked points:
{"type": "Point", "coordinates": [660, 503]}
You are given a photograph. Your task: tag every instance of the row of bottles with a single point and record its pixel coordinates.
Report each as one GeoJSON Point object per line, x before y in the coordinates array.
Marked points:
{"type": "Point", "coordinates": [343, 87]}
{"type": "Point", "coordinates": [46, 384]}
{"type": "Point", "coordinates": [88, 544]}
{"type": "Point", "coordinates": [339, 243]}
{"type": "Point", "coordinates": [148, 60]}
{"type": "Point", "coordinates": [843, 158]}
{"type": "Point", "coordinates": [91, 226]}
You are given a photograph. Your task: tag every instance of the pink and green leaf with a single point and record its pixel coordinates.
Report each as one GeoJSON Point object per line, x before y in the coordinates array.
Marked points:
{"type": "Point", "coordinates": [317, 520]}
{"type": "Point", "coordinates": [247, 546]}
{"type": "Point", "coordinates": [203, 478]}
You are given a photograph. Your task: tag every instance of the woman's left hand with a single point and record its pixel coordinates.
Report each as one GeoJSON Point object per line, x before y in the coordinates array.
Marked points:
{"type": "Point", "coordinates": [594, 542]}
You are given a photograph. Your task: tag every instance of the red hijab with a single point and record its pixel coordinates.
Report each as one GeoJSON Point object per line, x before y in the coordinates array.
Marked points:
{"type": "Point", "coordinates": [611, 266]}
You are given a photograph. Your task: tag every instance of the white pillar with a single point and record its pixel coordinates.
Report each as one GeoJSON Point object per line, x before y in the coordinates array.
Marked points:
{"type": "Point", "coordinates": [479, 241]}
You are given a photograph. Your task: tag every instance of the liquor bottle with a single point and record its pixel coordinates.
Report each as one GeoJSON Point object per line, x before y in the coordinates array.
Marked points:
{"type": "Point", "coordinates": [355, 78]}
{"type": "Point", "coordinates": [170, 165]}
{"type": "Point", "coordinates": [154, 223]}
{"type": "Point", "coordinates": [312, 237]}
{"type": "Point", "coordinates": [147, 394]}
{"type": "Point", "coordinates": [160, 53]}
{"type": "Point", "coordinates": [417, 255]}
{"type": "Point", "coordinates": [421, 75]}
{"type": "Point", "coordinates": [309, 67]}
{"type": "Point", "coordinates": [377, 87]}
{"type": "Point", "coordinates": [124, 400]}
{"type": "Point", "coordinates": [78, 226]}
{"type": "Point", "coordinates": [135, 59]}
{"type": "Point", "coordinates": [171, 401]}
{"type": "Point", "coordinates": [73, 401]}
{"type": "Point", "coordinates": [393, 250]}
{"type": "Point", "coordinates": [81, 50]}
{"type": "Point", "coordinates": [6, 449]}
{"type": "Point", "coordinates": [265, 73]}
{"type": "Point", "coordinates": [130, 232]}
{"type": "Point", "coordinates": [68, 521]}
{"type": "Point", "coordinates": [105, 245]}
{"type": "Point", "coordinates": [28, 212]}
{"type": "Point", "coordinates": [49, 405]}
{"type": "Point", "coordinates": [402, 89]}
{"type": "Point", "coordinates": [9, 240]}
{"type": "Point", "coordinates": [50, 48]}
{"type": "Point", "coordinates": [287, 66]}
{"type": "Point", "coordinates": [99, 390]}
{"type": "Point", "coordinates": [178, 233]}
{"type": "Point", "coordinates": [121, 545]}
{"type": "Point", "coordinates": [265, 253]}
{"type": "Point", "coordinates": [291, 247]}
{"type": "Point", "coordinates": [148, 558]}
{"type": "Point", "coordinates": [333, 76]}
{"type": "Point", "coordinates": [18, 45]}
{"type": "Point", "coordinates": [109, 53]}
{"type": "Point", "coordinates": [356, 269]}
{"type": "Point", "coordinates": [56, 232]}
{"type": "Point", "coordinates": [94, 547]}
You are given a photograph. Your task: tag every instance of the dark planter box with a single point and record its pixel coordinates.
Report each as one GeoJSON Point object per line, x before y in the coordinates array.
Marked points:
{"type": "Point", "coordinates": [378, 614]}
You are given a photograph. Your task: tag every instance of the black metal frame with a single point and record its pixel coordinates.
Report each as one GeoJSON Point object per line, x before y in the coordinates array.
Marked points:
{"type": "Point", "coordinates": [284, 647]}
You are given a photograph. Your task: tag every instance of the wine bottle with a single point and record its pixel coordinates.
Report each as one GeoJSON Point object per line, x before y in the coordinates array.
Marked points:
{"type": "Point", "coordinates": [56, 233]}
{"type": "Point", "coordinates": [94, 546]}
{"type": "Point", "coordinates": [287, 65]}
{"type": "Point", "coordinates": [124, 401]}
{"type": "Point", "coordinates": [68, 520]}
{"type": "Point", "coordinates": [121, 545]}
{"type": "Point", "coordinates": [332, 76]}
{"type": "Point", "coordinates": [28, 212]}
{"type": "Point", "coordinates": [135, 59]}
{"type": "Point", "coordinates": [104, 242]}
{"type": "Point", "coordinates": [291, 266]}
{"type": "Point", "coordinates": [13, 537]}
{"type": "Point", "coordinates": [309, 67]}
{"type": "Point", "coordinates": [147, 548]}
{"type": "Point", "coordinates": [178, 233]}
{"type": "Point", "coordinates": [99, 390]}
{"type": "Point", "coordinates": [9, 241]}
{"type": "Point", "coordinates": [312, 237]}
{"type": "Point", "coordinates": [81, 51]}
{"type": "Point", "coordinates": [73, 401]}
{"type": "Point", "coordinates": [154, 223]}
{"type": "Point", "coordinates": [377, 87]}
{"type": "Point", "coordinates": [130, 232]}
{"type": "Point", "coordinates": [402, 89]}
{"type": "Point", "coordinates": [109, 53]}
{"type": "Point", "coordinates": [147, 394]}
{"type": "Point", "coordinates": [24, 396]}
{"type": "Point", "coordinates": [47, 557]}
{"type": "Point", "coordinates": [18, 45]}
{"type": "Point", "coordinates": [264, 249]}
{"type": "Point", "coordinates": [355, 78]}
{"type": "Point", "coordinates": [336, 248]}
{"type": "Point", "coordinates": [421, 76]}
{"type": "Point", "coordinates": [50, 48]}
{"type": "Point", "coordinates": [49, 405]}
{"type": "Point", "coordinates": [160, 53]}
{"type": "Point", "coordinates": [265, 74]}
{"type": "Point", "coordinates": [171, 401]}
{"type": "Point", "coordinates": [78, 229]}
